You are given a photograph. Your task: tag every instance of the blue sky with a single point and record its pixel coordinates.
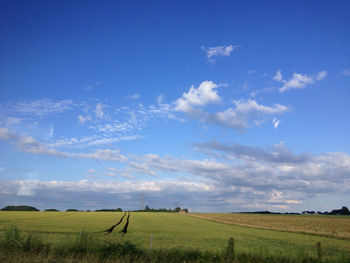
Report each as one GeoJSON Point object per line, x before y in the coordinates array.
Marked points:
{"type": "Point", "coordinates": [216, 106]}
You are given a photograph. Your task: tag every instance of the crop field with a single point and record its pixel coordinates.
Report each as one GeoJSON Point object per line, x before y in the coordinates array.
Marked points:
{"type": "Point", "coordinates": [329, 226]}
{"type": "Point", "coordinates": [208, 233]}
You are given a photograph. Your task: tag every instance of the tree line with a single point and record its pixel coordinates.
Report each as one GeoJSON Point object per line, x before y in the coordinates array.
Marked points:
{"type": "Point", "coordinates": [147, 209]}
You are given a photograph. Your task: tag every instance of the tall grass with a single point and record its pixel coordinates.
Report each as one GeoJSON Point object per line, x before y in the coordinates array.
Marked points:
{"type": "Point", "coordinates": [88, 247]}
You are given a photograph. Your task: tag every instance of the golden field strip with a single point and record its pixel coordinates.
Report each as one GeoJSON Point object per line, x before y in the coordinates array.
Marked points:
{"type": "Point", "coordinates": [323, 225]}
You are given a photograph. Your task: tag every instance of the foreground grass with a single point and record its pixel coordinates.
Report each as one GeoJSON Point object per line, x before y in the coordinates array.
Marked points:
{"type": "Point", "coordinates": [175, 232]}
{"type": "Point", "coordinates": [86, 247]}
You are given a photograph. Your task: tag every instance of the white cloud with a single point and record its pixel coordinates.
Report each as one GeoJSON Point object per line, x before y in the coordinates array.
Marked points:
{"type": "Point", "coordinates": [278, 76]}
{"type": "Point", "coordinates": [250, 72]}
{"type": "Point", "coordinates": [30, 145]}
{"type": "Point", "coordinates": [321, 75]}
{"type": "Point", "coordinates": [109, 174]}
{"type": "Point", "coordinates": [251, 107]}
{"type": "Point", "coordinates": [274, 178]}
{"type": "Point", "coordinates": [27, 143]}
{"type": "Point", "coordinates": [99, 111]}
{"type": "Point", "coordinates": [135, 96]}
{"type": "Point", "coordinates": [28, 188]}
{"type": "Point", "coordinates": [219, 51]}
{"type": "Point", "coordinates": [245, 85]}
{"type": "Point", "coordinates": [245, 112]}
{"type": "Point", "coordinates": [102, 154]}
{"type": "Point", "coordinates": [114, 170]}
{"type": "Point", "coordinates": [103, 127]}
{"type": "Point", "coordinates": [12, 121]}
{"type": "Point", "coordinates": [92, 141]}
{"type": "Point", "coordinates": [41, 107]}
{"type": "Point", "coordinates": [275, 123]}
{"type": "Point", "coordinates": [126, 173]}
{"type": "Point", "coordinates": [140, 168]}
{"type": "Point", "coordinates": [52, 129]}
{"type": "Point", "coordinates": [83, 119]}
{"type": "Point", "coordinates": [206, 93]}
{"type": "Point", "coordinates": [87, 87]}
{"type": "Point", "coordinates": [94, 195]}
{"type": "Point", "coordinates": [160, 99]}
{"type": "Point", "coordinates": [346, 72]}
{"type": "Point", "coordinates": [299, 81]}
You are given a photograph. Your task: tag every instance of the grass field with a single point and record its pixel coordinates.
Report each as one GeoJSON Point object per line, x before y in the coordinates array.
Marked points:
{"type": "Point", "coordinates": [188, 231]}
{"type": "Point", "coordinates": [329, 226]}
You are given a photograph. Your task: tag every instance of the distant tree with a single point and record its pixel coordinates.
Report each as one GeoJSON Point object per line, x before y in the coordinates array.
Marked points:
{"type": "Point", "coordinates": [109, 210]}
{"type": "Point", "coordinates": [147, 208]}
{"type": "Point", "coordinates": [72, 210]}
{"type": "Point", "coordinates": [19, 208]}
{"type": "Point", "coordinates": [51, 210]}
{"type": "Point", "coordinates": [177, 209]}
{"type": "Point", "coordinates": [343, 211]}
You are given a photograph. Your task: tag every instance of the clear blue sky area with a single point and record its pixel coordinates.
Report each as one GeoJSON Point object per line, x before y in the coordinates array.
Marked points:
{"type": "Point", "coordinates": [214, 105]}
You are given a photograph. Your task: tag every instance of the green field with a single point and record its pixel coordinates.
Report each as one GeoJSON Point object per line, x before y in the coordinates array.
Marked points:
{"type": "Point", "coordinates": [171, 230]}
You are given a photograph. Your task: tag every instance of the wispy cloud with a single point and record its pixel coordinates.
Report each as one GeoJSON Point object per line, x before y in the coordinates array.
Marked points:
{"type": "Point", "coordinates": [99, 111]}
{"type": "Point", "coordinates": [87, 87]}
{"type": "Point", "coordinates": [109, 174]}
{"type": "Point", "coordinates": [92, 141]}
{"type": "Point", "coordinates": [52, 130]}
{"type": "Point", "coordinates": [83, 119]}
{"type": "Point", "coordinates": [30, 145]}
{"type": "Point", "coordinates": [275, 154]}
{"type": "Point", "coordinates": [278, 76]}
{"type": "Point", "coordinates": [91, 87]}
{"type": "Point", "coordinates": [12, 121]}
{"type": "Point", "coordinates": [135, 96]}
{"type": "Point", "coordinates": [298, 81]}
{"type": "Point", "coordinates": [41, 107]}
{"type": "Point", "coordinates": [99, 123]}
{"type": "Point", "coordinates": [346, 72]}
{"type": "Point", "coordinates": [218, 51]}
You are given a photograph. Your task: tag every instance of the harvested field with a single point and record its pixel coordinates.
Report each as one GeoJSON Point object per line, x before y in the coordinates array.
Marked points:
{"type": "Point", "coordinates": [329, 226]}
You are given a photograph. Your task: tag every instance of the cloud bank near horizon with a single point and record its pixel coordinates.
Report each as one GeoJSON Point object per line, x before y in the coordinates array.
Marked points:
{"type": "Point", "coordinates": [231, 176]}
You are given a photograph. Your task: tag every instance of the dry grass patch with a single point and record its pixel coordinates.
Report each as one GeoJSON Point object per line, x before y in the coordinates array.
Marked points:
{"type": "Point", "coordinates": [330, 226]}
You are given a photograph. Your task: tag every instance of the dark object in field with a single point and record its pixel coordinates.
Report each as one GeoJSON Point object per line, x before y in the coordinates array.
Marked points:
{"type": "Point", "coordinates": [125, 229]}
{"type": "Point", "coordinates": [109, 230]}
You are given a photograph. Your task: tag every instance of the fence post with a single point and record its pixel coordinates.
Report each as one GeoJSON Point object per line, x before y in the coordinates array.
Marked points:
{"type": "Point", "coordinates": [230, 253]}
{"type": "Point", "coordinates": [319, 252]}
